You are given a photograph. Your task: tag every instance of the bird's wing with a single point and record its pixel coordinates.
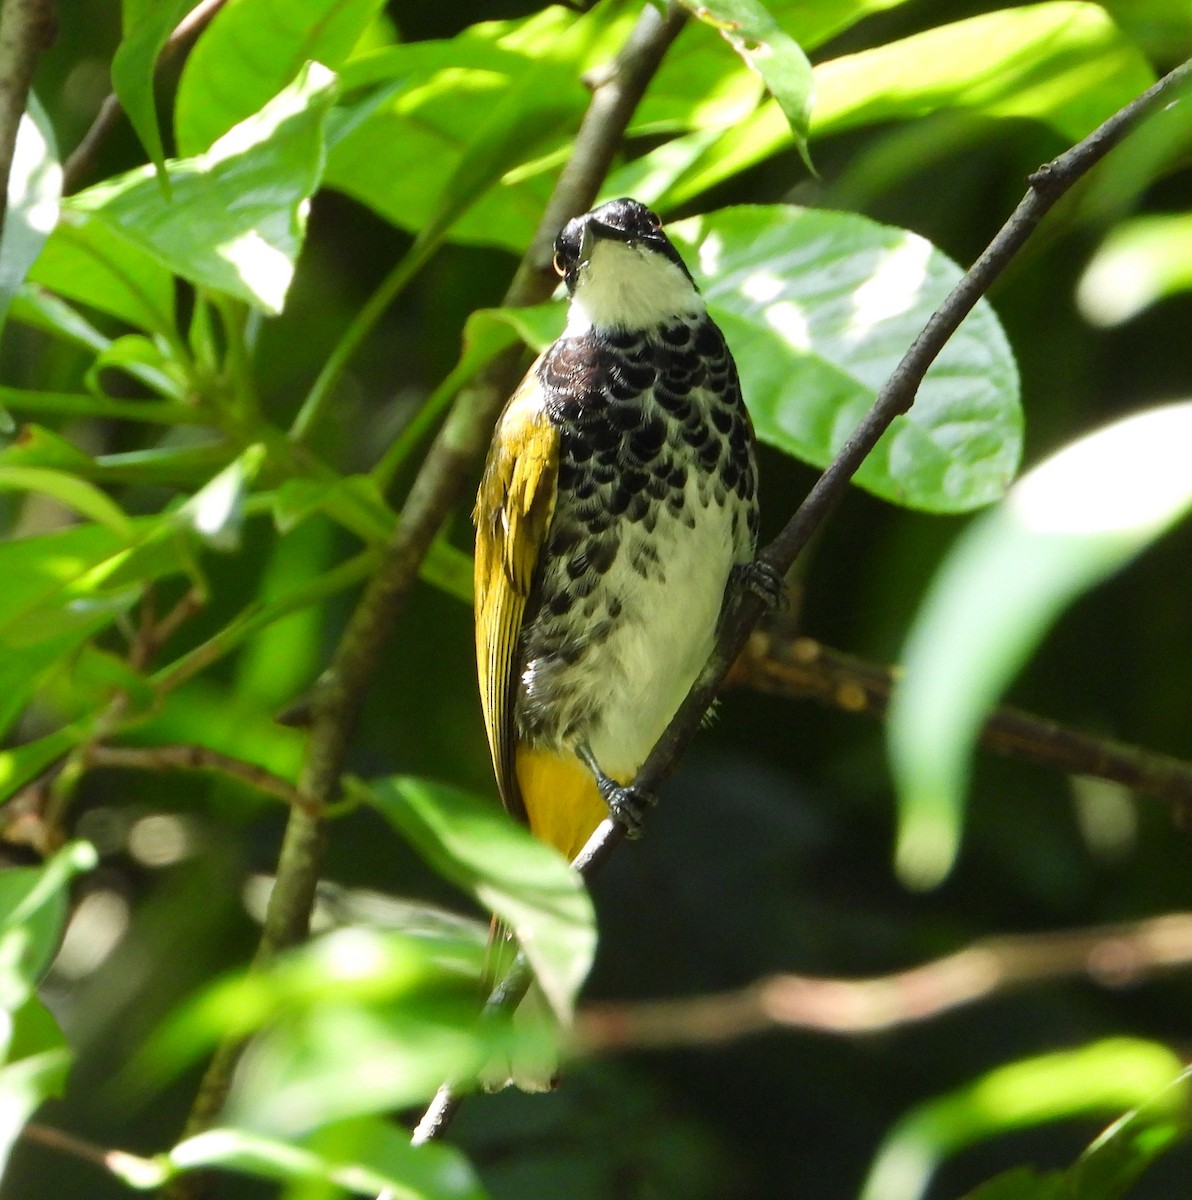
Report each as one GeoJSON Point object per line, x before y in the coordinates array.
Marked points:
{"type": "Point", "coordinates": [513, 511]}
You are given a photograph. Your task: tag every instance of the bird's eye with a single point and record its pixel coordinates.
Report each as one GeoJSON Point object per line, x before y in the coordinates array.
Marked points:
{"type": "Point", "coordinates": [653, 220]}
{"type": "Point", "coordinates": [560, 269]}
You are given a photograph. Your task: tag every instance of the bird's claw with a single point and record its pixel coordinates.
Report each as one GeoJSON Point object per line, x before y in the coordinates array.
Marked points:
{"type": "Point", "coordinates": [764, 580]}
{"type": "Point", "coordinates": [627, 804]}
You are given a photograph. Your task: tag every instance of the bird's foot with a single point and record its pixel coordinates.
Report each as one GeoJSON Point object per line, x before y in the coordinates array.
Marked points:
{"type": "Point", "coordinates": [764, 580]}
{"type": "Point", "coordinates": [627, 805]}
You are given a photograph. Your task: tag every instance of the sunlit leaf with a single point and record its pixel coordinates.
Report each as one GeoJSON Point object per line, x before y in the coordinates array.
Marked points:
{"type": "Point", "coordinates": [216, 511]}
{"type": "Point", "coordinates": [20, 764]}
{"type": "Point", "coordinates": [34, 190]}
{"type": "Point", "coordinates": [818, 308]}
{"type": "Point", "coordinates": [236, 219]}
{"type": "Point", "coordinates": [1064, 63]}
{"type": "Point", "coordinates": [524, 882]}
{"type": "Point", "coordinates": [250, 51]}
{"type": "Point", "coordinates": [1072, 521]}
{"type": "Point", "coordinates": [1093, 1081]}
{"type": "Point", "coordinates": [483, 118]}
{"type": "Point", "coordinates": [24, 1084]}
{"type": "Point", "coordinates": [145, 27]}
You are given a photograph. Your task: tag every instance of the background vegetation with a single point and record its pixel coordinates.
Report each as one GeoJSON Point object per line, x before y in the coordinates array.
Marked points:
{"type": "Point", "coordinates": [228, 355]}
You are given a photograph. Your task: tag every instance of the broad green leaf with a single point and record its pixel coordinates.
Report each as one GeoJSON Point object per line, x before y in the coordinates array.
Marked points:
{"type": "Point", "coordinates": [358, 1021]}
{"type": "Point", "coordinates": [1102, 1078]}
{"type": "Point", "coordinates": [83, 497]}
{"type": "Point", "coordinates": [753, 33]}
{"type": "Point", "coordinates": [483, 120]}
{"type": "Point", "coordinates": [39, 447]}
{"type": "Point", "coordinates": [818, 308]}
{"type": "Point", "coordinates": [34, 191]}
{"type": "Point", "coordinates": [237, 216]}
{"type": "Point", "coordinates": [1064, 63]}
{"type": "Point", "coordinates": [1069, 523]}
{"type": "Point", "coordinates": [88, 260]}
{"type": "Point", "coordinates": [381, 1160]}
{"type": "Point", "coordinates": [145, 27]}
{"type": "Point", "coordinates": [33, 908]}
{"type": "Point", "coordinates": [1141, 261]}
{"type": "Point", "coordinates": [250, 51]}
{"type": "Point", "coordinates": [524, 882]}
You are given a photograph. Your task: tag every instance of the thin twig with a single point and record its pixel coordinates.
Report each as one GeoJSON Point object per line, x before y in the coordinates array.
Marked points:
{"type": "Point", "coordinates": [802, 667]}
{"type": "Point", "coordinates": [439, 484]}
{"type": "Point", "coordinates": [1047, 185]}
{"type": "Point", "coordinates": [199, 758]}
{"type": "Point", "coordinates": [27, 27]}
{"type": "Point", "coordinates": [1109, 955]}
{"type": "Point", "coordinates": [83, 158]}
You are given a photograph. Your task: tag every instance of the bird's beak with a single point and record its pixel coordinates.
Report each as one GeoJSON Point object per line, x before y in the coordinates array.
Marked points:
{"type": "Point", "coordinates": [596, 231]}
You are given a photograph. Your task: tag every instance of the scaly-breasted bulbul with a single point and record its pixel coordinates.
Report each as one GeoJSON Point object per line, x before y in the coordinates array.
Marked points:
{"type": "Point", "coordinates": [618, 500]}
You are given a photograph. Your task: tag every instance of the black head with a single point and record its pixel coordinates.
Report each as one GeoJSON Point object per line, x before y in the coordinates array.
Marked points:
{"type": "Point", "coordinates": [624, 220]}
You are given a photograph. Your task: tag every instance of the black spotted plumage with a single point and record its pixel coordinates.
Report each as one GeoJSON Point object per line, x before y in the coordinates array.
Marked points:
{"type": "Point", "coordinates": [618, 502]}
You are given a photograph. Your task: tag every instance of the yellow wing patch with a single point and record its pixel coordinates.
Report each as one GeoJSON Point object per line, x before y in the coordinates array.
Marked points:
{"type": "Point", "coordinates": [512, 515]}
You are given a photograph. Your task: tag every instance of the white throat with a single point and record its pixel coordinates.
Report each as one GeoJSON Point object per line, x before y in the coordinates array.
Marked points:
{"type": "Point", "coordinates": [629, 287]}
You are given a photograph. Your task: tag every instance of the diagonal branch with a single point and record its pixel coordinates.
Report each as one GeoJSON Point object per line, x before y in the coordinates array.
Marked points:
{"type": "Point", "coordinates": [1046, 186]}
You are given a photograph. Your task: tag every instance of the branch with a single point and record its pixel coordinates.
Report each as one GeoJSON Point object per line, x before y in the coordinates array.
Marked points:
{"type": "Point", "coordinates": [1046, 186]}
{"type": "Point", "coordinates": [804, 668]}
{"type": "Point", "coordinates": [199, 758]}
{"type": "Point", "coordinates": [440, 482]}
{"type": "Point", "coordinates": [1109, 955]}
{"type": "Point", "coordinates": [27, 27]}
{"type": "Point", "coordinates": [82, 160]}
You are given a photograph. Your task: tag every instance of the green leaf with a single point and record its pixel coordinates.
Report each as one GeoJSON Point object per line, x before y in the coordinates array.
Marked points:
{"type": "Point", "coordinates": [1069, 523]}
{"type": "Point", "coordinates": [818, 308]}
{"type": "Point", "coordinates": [250, 51]}
{"type": "Point", "coordinates": [753, 33]}
{"type": "Point", "coordinates": [75, 493]}
{"type": "Point", "coordinates": [34, 190]}
{"type": "Point", "coordinates": [145, 26]}
{"type": "Point", "coordinates": [216, 511]}
{"type": "Point", "coordinates": [1064, 63]}
{"type": "Point", "coordinates": [1100, 1078]}
{"type": "Point", "coordinates": [145, 359]}
{"type": "Point", "coordinates": [90, 261]}
{"type": "Point", "coordinates": [357, 1021]}
{"type": "Point", "coordinates": [381, 1160]}
{"type": "Point", "coordinates": [496, 105]}
{"type": "Point", "coordinates": [23, 1086]}
{"type": "Point", "coordinates": [496, 860]}
{"type": "Point", "coordinates": [1141, 261]}
{"type": "Point", "coordinates": [1111, 1165]}
{"type": "Point", "coordinates": [33, 909]}
{"type": "Point", "coordinates": [22, 763]}
{"type": "Point", "coordinates": [237, 217]}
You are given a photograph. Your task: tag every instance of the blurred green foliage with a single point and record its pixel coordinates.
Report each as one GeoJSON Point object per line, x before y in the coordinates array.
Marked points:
{"type": "Point", "coordinates": [224, 354]}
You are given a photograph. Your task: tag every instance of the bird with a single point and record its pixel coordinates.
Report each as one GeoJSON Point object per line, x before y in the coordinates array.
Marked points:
{"type": "Point", "coordinates": [616, 511]}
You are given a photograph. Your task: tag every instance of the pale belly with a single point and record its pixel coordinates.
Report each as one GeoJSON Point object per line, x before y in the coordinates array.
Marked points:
{"type": "Point", "coordinates": [642, 636]}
